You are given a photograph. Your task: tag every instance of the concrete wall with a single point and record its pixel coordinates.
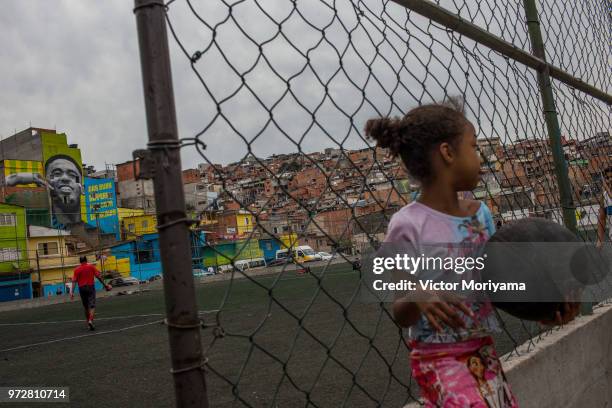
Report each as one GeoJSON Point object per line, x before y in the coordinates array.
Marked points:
{"type": "Point", "coordinates": [22, 146]}
{"type": "Point", "coordinates": [136, 194]}
{"type": "Point", "coordinates": [570, 367]}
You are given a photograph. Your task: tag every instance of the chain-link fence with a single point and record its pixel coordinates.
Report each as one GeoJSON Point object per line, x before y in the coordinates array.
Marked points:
{"type": "Point", "coordinates": [285, 88]}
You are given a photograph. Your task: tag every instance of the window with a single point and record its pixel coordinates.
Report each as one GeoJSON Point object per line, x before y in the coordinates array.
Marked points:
{"type": "Point", "coordinates": [144, 252]}
{"type": "Point", "coordinates": [7, 219]}
{"type": "Point", "coordinates": [131, 227]}
{"type": "Point", "coordinates": [9, 254]}
{"type": "Point", "coordinates": [246, 221]}
{"type": "Point", "coordinates": [145, 224]}
{"type": "Point", "coordinates": [70, 248]}
{"type": "Point", "coordinates": [47, 248]}
{"type": "Point", "coordinates": [144, 255]}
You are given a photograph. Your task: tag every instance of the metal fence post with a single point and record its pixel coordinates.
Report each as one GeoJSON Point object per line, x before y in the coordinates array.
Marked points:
{"type": "Point", "coordinates": [550, 116]}
{"type": "Point", "coordinates": [162, 163]}
{"type": "Point", "coordinates": [552, 123]}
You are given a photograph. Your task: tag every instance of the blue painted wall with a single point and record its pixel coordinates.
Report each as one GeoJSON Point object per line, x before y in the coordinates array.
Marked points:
{"type": "Point", "coordinates": [15, 289]}
{"type": "Point", "coordinates": [101, 193]}
{"type": "Point", "coordinates": [51, 289]}
{"type": "Point", "coordinates": [269, 248]}
{"type": "Point", "coordinates": [145, 258]}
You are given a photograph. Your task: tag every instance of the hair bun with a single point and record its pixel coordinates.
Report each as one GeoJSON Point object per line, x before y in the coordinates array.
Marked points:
{"type": "Point", "coordinates": [385, 131]}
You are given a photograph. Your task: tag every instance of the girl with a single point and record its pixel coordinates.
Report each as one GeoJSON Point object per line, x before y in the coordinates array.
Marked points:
{"type": "Point", "coordinates": [437, 144]}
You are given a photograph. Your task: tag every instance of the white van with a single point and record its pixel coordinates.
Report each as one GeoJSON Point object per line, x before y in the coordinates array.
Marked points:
{"type": "Point", "coordinates": [257, 263]}
{"type": "Point", "coordinates": [302, 253]}
{"type": "Point", "coordinates": [245, 264]}
{"type": "Point", "coordinates": [242, 265]}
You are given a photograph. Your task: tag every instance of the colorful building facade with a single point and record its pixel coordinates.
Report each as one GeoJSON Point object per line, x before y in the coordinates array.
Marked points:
{"type": "Point", "coordinates": [143, 254]}
{"type": "Point", "coordinates": [232, 224]}
{"type": "Point", "coordinates": [51, 261]}
{"type": "Point", "coordinates": [101, 205]}
{"type": "Point", "coordinates": [15, 282]}
{"type": "Point", "coordinates": [44, 174]}
{"type": "Point", "coordinates": [138, 225]}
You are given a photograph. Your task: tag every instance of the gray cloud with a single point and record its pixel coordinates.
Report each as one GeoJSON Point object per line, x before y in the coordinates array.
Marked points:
{"type": "Point", "coordinates": [74, 65]}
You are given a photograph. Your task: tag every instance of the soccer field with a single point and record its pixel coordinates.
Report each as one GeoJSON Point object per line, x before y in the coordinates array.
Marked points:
{"type": "Point", "coordinates": [279, 340]}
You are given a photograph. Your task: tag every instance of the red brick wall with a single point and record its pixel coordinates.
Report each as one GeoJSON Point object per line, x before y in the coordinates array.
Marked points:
{"type": "Point", "coordinates": [190, 176]}
{"type": "Point", "coordinates": [125, 171]}
{"type": "Point", "coordinates": [231, 205]}
{"type": "Point", "coordinates": [385, 197]}
{"type": "Point", "coordinates": [335, 222]}
{"type": "Point", "coordinates": [308, 178]}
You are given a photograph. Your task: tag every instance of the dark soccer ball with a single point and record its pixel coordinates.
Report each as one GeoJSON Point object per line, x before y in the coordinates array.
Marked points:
{"type": "Point", "coordinates": [544, 255]}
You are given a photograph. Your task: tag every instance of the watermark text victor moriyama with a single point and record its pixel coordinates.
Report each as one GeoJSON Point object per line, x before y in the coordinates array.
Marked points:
{"type": "Point", "coordinates": [502, 272]}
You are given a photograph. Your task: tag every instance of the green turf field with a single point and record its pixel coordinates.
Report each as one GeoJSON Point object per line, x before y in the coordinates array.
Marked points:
{"type": "Point", "coordinates": [286, 339]}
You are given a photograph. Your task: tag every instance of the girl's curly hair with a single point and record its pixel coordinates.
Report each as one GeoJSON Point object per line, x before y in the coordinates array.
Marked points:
{"type": "Point", "coordinates": [414, 136]}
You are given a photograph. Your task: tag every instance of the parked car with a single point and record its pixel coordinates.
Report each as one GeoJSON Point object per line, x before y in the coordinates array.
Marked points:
{"type": "Point", "coordinates": [225, 268]}
{"type": "Point", "coordinates": [200, 273]}
{"type": "Point", "coordinates": [325, 256]}
{"type": "Point", "coordinates": [123, 281]}
{"type": "Point", "coordinates": [278, 262]}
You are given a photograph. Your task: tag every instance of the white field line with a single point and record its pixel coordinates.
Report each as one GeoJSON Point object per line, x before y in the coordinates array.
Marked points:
{"type": "Point", "coordinates": [97, 318]}
{"type": "Point", "coordinates": [42, 343]}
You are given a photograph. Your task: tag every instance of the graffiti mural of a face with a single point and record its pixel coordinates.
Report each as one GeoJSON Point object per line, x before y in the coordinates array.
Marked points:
{"type": "Point", "coordinates": [64, 179]}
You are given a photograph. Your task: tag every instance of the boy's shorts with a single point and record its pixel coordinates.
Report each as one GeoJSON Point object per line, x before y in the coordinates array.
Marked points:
{"type": "Point", "coordinates": [88, 296]}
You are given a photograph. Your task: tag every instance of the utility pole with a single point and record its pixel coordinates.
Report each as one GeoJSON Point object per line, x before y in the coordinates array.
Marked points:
{"type": "Point", "coordinates": [38, 270]}
{"type": "Point", "coordinates": [96, 209]}
{"type": "Point", "coordinates": [162, 162]}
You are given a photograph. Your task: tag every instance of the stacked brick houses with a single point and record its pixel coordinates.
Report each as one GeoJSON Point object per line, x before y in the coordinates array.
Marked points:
{"type": "Point", "coordinates": [327, 197]}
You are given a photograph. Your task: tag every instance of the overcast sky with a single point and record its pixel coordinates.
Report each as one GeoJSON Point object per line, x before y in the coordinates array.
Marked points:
{"type": "Point", "coordinates": [73, 65]}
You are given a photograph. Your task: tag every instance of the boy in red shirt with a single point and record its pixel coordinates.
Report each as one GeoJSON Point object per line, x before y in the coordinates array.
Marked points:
{"type": "Point", "coordinates": [84, 277]}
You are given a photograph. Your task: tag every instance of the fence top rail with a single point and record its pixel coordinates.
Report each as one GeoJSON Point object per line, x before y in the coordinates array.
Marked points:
{"type": "Point", "coordinates": [454, 22]}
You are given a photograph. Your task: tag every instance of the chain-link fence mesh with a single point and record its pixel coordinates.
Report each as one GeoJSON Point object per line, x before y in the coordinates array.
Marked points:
{"type": "Point", "coordinates": [285, 88]}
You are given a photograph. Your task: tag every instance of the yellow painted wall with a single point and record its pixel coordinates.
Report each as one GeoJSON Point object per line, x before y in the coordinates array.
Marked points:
{"type": "Point", "coordinates": [289, 240]}
{"type": "Point", "coordinates": [33, 246]}
{"type": "Point", "coordinates": [54, 275]}
{"type": "Point", "coordinates": [244, 223]}
{"type": "Point", "coordinates": [248, 249]}
{"type": "Point", "coordinates": [53, 268]}
{"type": "Point", "coordinates": [121, 265]}
{"type": "Point", "coordinates": [141, 224]}
{"type": "Point", "coordinates": [208, 219]}
{"type": "Point", "coordinates": [59, 268]}
{"type": "Point", "coordinates": [23, 166]}
{"type": "Point", "coordinates": [128, 212]}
